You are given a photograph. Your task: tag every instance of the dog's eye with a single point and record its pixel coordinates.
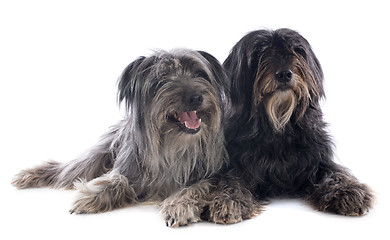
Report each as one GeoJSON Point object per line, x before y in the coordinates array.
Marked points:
{"type": "Point", "coordinates": [201, 74]}
{"type": "Point", "coordinates": [300, 51]}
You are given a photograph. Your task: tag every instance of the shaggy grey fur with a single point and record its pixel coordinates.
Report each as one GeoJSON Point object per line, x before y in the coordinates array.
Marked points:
{"type": "Point", "coordinates": [169, 143]}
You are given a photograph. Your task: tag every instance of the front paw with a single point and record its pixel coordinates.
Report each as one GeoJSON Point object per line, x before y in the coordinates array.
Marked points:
{"type": "Point", "coordinates": [180, 213]}
{"type": "Point", "coordinates": [343, 195]}
{"type": "Point", "coordinates": [353, 201]}
{"type": "Point", "coordinates": [229, 210]}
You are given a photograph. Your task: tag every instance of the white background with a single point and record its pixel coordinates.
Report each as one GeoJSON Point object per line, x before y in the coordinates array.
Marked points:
{"type": "Point", "coordinates": [59, 62]}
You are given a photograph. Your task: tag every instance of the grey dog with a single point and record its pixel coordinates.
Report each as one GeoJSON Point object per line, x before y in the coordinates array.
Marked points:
{"type": "Point", "coordinates": [165, 149]}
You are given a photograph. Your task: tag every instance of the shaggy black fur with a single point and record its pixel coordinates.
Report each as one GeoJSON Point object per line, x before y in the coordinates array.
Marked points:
{"type": "Point", "coordinates": [277, 138]}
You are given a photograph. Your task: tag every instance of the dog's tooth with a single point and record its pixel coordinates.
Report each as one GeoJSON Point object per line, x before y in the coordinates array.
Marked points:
{"type": "Point", "coordinates": [185, 124]}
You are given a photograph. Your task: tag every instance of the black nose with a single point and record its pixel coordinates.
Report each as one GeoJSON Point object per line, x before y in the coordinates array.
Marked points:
{"type": "Point", "coordinates": [284, 75]}
{"type": "Point", "coordinates": [193, 100]}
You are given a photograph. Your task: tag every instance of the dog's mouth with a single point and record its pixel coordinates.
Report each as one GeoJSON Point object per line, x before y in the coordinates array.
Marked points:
{"type": "Point", "coordinates": [188, 122]}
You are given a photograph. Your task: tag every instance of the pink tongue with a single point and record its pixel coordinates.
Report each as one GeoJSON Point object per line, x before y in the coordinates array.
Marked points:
{"type": "Point", "coordinates": [189, 119]}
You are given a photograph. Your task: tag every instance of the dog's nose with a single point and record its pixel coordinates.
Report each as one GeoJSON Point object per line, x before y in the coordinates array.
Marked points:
{"type": "Point", "coordinates": [194, 100]}
{"type": "Point", "coordinates": [284, 75]}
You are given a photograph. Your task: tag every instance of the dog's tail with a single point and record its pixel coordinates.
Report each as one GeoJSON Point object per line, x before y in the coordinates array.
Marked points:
{"type": "Point", "coordinates": [96, 162]}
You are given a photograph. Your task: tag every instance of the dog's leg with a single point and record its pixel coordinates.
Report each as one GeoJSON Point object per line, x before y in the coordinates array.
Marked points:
{"type": "Point", "coordinates": [104, 193]}
{"type": "Point", "coordinates": [96, 162]}
{"type": "Point", "coordinates": [186, 206]}
{"type": "Point", "coordinates": [44, 175]}
{"type": "Point", "coordinates": [231, 202]}
{"type": "Point", "coordinates": [339, 192]}
{"type": "Point", "coordinates": [63, 175]}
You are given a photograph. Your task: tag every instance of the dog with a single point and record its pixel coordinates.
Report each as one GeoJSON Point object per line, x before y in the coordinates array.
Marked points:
{"type": "Point", "coordinates": [170, 141]}
{"type": "Point", "coordinates": [277, 139]}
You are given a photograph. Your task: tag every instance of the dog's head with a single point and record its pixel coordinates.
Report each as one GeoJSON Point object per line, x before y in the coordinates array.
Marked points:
{"type": "Point", "coordinates": [275, 70]}
{"type": "Point", "coordinates": [175, 93]}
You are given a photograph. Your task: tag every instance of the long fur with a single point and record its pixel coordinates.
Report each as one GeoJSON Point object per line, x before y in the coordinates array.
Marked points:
{"type": "Point", "coordinates": [150, 154]}
{"type": "Point", "coordinates": [277, 138]}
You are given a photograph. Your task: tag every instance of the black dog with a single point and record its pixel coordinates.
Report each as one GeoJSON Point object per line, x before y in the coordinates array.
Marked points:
{"type": "Point", "coordinates": [276, 136]}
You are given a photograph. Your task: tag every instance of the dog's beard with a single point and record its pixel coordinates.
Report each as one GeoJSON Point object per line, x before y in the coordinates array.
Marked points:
{"type": "Point", "coordinates": [181, 149]}
{"type": "Point", "coordinates": [280, 107]}
{"type": "Point", "coordinates": [282, 101]}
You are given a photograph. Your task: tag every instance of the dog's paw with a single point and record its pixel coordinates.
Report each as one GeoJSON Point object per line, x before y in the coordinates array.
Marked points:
{"type": "Point", "coordinates": [343, 195]}
{"type": "Point", "coordinates": [103, 194]}
{"type": "Point", "coordinates": [40, 176]}
{"type": "Point", "coordinates": [24, 179]}
{"type": "Point", "coordinates": [91, 198]}
{"type": "Point", "coordinates": [353, 201]}
{"type": "Point", "coordinates": [86, 204]}
{"type": "Point", "coordinates": [228, 211]}
{"type": "Point", "coordinates": [178, 214]}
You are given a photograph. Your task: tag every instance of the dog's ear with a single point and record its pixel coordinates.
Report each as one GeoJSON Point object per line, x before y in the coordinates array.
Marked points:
{"type": "Point", "coordinates": [318, 75]}
{"type": "Point", "coordinates": [215, 66]}
{"type": "Point", "coordinates": [220, 77]}
{"type": "Point", "coordinates": [314, 65]}
{"type": "Point", "coordinates": [216, 69]}
{"type": "Point", "coordinates": [132, 76]}
{"type": "Point", "coordinates": [242, 63]}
